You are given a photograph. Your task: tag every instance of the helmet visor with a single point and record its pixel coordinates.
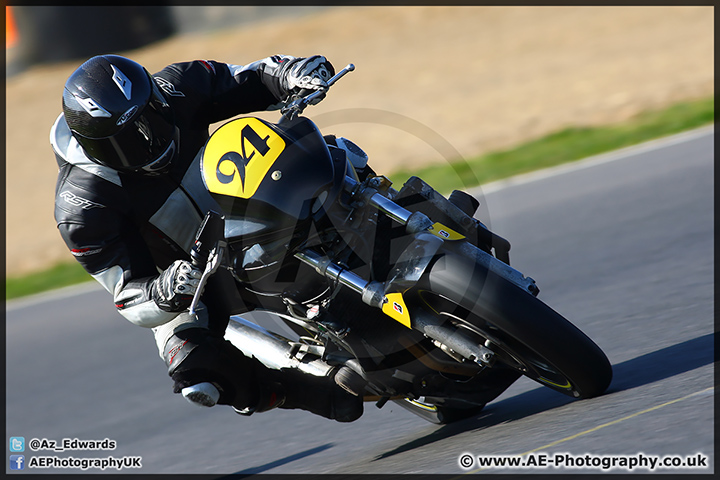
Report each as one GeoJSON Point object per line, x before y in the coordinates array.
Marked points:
{"type": "Point", "coordinates": [147, 140]}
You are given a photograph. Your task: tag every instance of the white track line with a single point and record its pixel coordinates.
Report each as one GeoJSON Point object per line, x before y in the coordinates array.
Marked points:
{"type": "Point", "coordinates": [597, 159]}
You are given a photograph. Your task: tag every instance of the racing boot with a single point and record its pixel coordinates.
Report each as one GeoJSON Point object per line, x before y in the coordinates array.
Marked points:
{"type": "Point", "coordinates": [319, 395]}
{"type": "Point", "coordinates": [270, 395]}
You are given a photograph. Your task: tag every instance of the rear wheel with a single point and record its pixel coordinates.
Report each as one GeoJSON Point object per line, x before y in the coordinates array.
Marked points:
{"type": "Point", "coordinates": [521, 330]}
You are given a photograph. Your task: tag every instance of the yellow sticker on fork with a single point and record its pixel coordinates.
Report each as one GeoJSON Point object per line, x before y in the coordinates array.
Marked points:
{"type": "Point", "coordinates": [440, 230]}
{"type": "Point", "coordinates": [395, 308]}
{"type": "Point", "coordinates": [239, 155]}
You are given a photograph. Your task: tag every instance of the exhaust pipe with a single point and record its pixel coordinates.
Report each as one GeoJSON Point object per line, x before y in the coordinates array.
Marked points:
{"type": "Point", "coordinates": [273, 350]}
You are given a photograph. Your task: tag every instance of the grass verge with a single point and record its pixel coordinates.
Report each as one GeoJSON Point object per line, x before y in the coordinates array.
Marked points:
{"type": "Point", "coordinates": [561, 147]}
{"type": "Point", "coordinates": [60, 275]}
{"type": "Point", "coordinates": [564, 146]}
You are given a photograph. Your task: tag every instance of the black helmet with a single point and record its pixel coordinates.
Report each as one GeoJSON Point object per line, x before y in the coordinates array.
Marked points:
{"type": "Point", "coordinates": [117, 113]}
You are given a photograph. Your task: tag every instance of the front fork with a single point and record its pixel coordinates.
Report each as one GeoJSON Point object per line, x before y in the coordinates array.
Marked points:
{"type": "Point", "coordinates": [411, 264]}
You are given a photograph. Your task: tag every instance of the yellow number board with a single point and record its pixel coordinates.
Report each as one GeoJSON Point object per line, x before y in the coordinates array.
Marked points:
{"type": "Point", "coordinates": [239, 155]}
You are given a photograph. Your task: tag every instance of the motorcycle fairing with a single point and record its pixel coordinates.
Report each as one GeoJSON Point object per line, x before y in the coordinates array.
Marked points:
{"type": "Point", "coordinates": [275, 174]}
{"type": "Point", "coordinates": [238, 156]}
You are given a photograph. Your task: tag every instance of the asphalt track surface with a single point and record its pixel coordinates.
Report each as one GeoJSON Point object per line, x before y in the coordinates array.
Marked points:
{"type": "Point", "coordinates": [623, 247]}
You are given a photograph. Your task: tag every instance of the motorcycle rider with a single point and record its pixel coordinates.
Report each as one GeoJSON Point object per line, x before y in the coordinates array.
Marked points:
{"type": "Point", "coordinates": [129, 199]}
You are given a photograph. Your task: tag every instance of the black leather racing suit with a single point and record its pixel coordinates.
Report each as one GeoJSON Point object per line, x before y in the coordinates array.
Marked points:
{"type": "Point", "coordinates": [126, 228]}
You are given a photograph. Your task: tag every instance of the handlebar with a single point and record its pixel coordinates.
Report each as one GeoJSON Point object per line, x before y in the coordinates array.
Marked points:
{"type": "Point", "coordinates": [297, 106]}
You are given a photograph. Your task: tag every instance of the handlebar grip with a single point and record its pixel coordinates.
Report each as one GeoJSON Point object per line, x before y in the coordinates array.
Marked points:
{"type": "Point", "coordinates": [304, 92]}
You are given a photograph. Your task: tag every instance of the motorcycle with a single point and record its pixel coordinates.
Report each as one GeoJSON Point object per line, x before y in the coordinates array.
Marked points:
{"type": "Point", "coordinates": [400, 295]}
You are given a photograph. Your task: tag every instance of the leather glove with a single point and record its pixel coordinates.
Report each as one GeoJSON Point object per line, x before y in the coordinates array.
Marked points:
{"type": "Point", "coordinates": [310, 73]}
{"type": "Point", "coordinates": [173, 290]}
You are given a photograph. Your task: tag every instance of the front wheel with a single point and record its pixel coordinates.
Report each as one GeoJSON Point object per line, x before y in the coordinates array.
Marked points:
{"type": "Point", "coordinates": [521, 330]}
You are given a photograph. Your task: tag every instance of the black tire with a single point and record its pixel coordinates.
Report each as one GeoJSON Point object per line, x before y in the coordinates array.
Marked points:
{"type": "Point", "coordinates": [523, 332]}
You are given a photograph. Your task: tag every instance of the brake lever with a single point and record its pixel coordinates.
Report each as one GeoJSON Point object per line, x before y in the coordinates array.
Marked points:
{"type": "Point", "coordinates": [211, 232]}
{"type": "Point", "coordinates": [213, 263]}
{"type": "Point", "coordinates": [349, 68]}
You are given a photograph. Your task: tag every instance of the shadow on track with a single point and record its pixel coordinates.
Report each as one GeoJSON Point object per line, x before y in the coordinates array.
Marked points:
{"type": "Point", "coordinates": [661, 364]}
{"type": "Point", "coordinates": [639, 371]}
{"type": "Point", "coordinates": [281, 461]}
